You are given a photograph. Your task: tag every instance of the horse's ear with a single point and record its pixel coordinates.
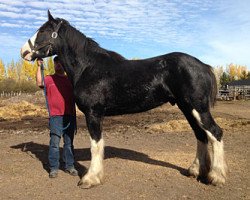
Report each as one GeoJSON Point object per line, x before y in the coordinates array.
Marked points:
{"type": "Point", "coordinates": [50, 17]}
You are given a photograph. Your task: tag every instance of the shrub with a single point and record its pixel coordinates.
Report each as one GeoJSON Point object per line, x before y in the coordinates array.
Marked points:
{"type": "Point", "coordinates": [11, 85]}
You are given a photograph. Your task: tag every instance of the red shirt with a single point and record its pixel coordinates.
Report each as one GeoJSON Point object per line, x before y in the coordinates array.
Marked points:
{"type": "Point", "coordinates": [59, 93]}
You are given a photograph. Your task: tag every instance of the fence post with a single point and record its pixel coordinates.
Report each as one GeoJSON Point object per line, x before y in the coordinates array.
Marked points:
{"type": "Point", "coordinates": [234, 93]}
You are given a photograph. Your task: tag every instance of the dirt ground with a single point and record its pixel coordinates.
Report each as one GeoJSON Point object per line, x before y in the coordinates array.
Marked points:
{"type": "Point", "coordinates": [146, 154]}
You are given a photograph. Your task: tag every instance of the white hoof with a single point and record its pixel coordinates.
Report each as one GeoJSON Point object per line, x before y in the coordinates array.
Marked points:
{"type": "Point", "coordinates": [193, 170]}
{"type": "Point", "coordinates": [89, 181]}
{"type": "Point", "coordinates": [217, 177]}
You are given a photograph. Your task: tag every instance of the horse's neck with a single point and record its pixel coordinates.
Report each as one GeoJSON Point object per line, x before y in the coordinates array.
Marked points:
{"type": "Point", "coordinates": [78, 54]}
{"type": "Point", "coordinates": [69, 53]}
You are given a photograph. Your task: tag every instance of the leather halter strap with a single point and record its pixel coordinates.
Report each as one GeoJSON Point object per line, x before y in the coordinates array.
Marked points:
{"type": "Point", "coordinates": [50, 42]}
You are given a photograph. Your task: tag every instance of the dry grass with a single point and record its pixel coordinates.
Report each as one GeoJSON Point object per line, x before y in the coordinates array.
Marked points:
{"type": "Point", "coordinates": [182, 125]}
{"type": "Point", "coordinates": [17, 111]}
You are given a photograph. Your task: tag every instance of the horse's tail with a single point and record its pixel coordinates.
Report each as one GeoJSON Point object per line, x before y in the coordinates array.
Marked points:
{"type": "Point", "coordinates": [213, 92]}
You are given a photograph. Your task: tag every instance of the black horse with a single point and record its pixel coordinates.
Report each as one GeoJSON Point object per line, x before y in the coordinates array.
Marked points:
{"type": "Point", "coordinates": [105, 84]}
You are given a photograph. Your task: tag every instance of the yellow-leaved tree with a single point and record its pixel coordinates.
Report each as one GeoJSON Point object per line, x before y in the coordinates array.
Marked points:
{"type": "Point", "coordinates": [241, 70]}
{"type": "Point", "coordinates": [2, 71]}
{"type": "Point", "coordinates": [28, 71]}
{"type": "Point", "coordinates": [232, 71]}
{"type": "Point", "coordinates": [245, 75]}
{"type": "Point", "coordinates": [19, 70]}
{"type": "Point", "coordinates": [236, 72]}
{"type": "Point", "coordinates": [218, 71]}
{"type": "Point", "coordinates": [11, 71]}
{"type": "Point", "coordinates": [49, 66]}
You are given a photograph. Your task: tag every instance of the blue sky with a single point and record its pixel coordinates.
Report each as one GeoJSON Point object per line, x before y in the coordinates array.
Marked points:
{"type": "Point", "coordinates": [215, 31]}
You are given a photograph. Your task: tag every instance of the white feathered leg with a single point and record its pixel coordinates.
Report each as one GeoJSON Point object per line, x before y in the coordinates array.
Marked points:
{"type": "Point", "coordinates": [201, 164]}
{"type": "Point", "coordinates": [95, 173]}
{"type": "Point", "coordinates": [218, 172]}
{"type": "Point", "coordinates": [218, 169]}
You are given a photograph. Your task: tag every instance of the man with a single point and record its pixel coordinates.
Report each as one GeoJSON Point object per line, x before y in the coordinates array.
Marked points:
{"type": "Point", "coordinates": [62, 114]}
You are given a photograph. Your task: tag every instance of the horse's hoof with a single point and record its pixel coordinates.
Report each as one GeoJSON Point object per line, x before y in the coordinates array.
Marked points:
{"type": "Point", "coordinates": [198, 171]}
{"type": "Point", "coordinates": [193, 171]}
{"type": "Point", "coordinates": [84, 184]}
{"type": "Point", "coordinates": [216, 178]}
{"type": "Point", "coordinates": [89, 181]}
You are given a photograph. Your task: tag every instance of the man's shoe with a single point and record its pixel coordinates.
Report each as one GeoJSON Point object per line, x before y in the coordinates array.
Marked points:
{"type": "Point", "coordinates": [53, 174]}
{"type": "Point", "coordinates": [72, 171]}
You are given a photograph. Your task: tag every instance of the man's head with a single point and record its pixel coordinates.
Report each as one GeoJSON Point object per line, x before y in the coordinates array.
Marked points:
{"type": "Point", "coordinates": [58, 66]}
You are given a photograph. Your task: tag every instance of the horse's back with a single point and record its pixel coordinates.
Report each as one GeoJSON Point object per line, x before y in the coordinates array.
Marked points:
{"type": "Point", "coordinates": [173, 77]}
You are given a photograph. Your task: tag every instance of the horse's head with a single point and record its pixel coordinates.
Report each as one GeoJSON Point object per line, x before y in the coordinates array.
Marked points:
{"type": "Point", "coordinates": [42, 44]}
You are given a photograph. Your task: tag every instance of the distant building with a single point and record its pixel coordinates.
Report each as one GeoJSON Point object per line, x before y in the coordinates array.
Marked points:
{"type": "Point", "coordinates": [245, 82]}
{"type": "Point", "coordinates": [239, 89]}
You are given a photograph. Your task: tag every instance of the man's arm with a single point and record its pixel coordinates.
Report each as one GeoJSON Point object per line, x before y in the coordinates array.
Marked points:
{"type": "Point", "coordinates": [39, 81]}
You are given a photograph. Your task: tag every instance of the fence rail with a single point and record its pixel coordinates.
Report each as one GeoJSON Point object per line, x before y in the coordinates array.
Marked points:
{"type": "Point", "coordinates": [11, 94]}
{"type": "Point", "coordinates": [234, 93]}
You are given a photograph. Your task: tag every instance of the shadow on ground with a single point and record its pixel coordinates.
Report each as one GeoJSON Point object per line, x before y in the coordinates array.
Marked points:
{"type": "Point", "coordinates": [40, 152]}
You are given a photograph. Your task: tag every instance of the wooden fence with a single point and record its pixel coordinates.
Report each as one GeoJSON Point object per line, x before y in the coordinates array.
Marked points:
{"type": "Point", "coordinates": [234, 93]}
{"type": "Point", "coordinates": [10, 94]}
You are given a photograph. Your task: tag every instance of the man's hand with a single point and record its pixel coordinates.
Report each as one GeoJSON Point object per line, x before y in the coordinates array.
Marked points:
{"type": "Point", "coordinates": [39, 81]}
{"type": "Point", "coordinates": [39, 62]}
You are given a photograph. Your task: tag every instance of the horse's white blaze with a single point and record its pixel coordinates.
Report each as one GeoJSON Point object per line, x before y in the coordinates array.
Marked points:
{"type": "Point", "coordinates": [26, 47]}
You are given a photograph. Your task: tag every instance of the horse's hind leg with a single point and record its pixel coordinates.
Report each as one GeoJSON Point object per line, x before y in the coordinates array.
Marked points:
{"type": "Point", "coordinates": [95, 174]}
{"type": "Point", "coordinates": [206, 131]}
{"type": "Point", "coordinates": [218, 168]}
{"type": "Point", "coordinates": [201, 164]}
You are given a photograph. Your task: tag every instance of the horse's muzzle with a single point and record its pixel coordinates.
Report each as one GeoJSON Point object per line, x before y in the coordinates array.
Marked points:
{"type": "Point", "coordinates": [26, 55]}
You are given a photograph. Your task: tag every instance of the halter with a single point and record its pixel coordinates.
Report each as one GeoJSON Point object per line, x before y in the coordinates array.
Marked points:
{"type": "Point", "coordinates": [51, 41]}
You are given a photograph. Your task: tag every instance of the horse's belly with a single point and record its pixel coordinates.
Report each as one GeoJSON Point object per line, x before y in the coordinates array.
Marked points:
{"type": "Point", "coordinates": [139, 101]}
{"type": "Point", "coordinates": [133, 107]}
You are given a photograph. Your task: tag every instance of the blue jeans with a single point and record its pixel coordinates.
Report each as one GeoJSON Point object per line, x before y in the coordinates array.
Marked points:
{"type": "Point", "coordinates": [61, 126]}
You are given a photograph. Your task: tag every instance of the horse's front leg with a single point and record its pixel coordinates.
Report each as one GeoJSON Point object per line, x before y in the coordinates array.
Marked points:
{"type": "Point", "coordinates": [94, 176]}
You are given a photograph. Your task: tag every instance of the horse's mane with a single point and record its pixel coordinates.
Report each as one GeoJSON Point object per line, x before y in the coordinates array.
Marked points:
{"type": "Point", "coordinates": [88, 45]}
{"type": "Point", "coordinates": [116, 56]}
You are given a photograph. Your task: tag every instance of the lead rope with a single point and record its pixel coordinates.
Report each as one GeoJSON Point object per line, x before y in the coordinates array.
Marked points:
{"type": "Point", "coordinates": [46, 99]}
